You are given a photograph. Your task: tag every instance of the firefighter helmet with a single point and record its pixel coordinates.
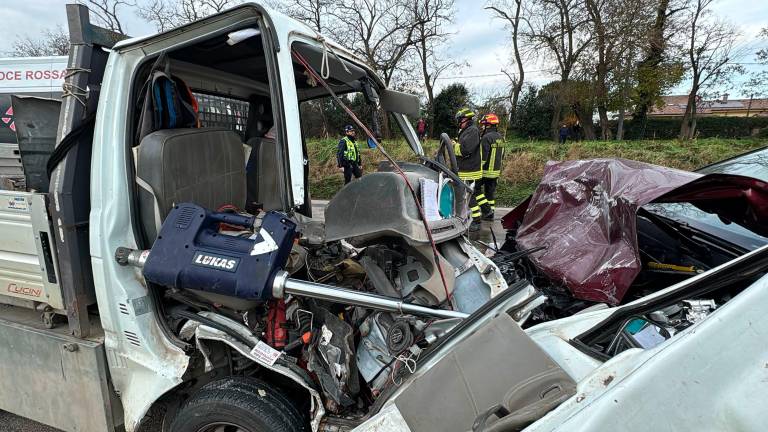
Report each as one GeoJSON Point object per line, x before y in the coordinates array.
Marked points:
{"type": "Point", "coordinates": [464, 113]}
{"type": "Point", "coordinates": [489, 119]}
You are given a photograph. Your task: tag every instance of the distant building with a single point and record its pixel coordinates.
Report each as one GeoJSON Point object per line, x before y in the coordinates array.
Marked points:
{"type": "Point", "coordinates": [674, 106]}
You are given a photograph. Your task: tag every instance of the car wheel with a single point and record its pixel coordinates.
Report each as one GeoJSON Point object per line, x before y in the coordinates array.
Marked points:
{"type": "Point", "coordinates": [238, 405]}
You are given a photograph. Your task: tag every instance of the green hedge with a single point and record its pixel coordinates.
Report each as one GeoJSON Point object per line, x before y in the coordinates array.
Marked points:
{"type": "Point", "coordinates": [708, 127]}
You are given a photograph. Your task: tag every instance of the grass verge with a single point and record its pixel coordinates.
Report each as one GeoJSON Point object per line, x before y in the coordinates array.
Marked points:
{"type": "Point", "coordinates": [524, 162]}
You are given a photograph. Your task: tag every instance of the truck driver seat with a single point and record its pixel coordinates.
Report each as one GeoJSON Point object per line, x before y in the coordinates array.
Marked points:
{"type": "Point", "coordinates": [204, 166]}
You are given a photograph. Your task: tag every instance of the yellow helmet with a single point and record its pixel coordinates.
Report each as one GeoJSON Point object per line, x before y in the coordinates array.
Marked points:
{"type": "Point", "coordinates": [464, 113]}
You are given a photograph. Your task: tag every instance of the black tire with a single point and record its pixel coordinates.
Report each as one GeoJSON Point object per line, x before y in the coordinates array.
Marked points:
{"type": "Point", "coordinates": [239, 405]}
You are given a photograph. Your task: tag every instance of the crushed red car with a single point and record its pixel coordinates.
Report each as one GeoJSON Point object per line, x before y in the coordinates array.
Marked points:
{"type": "Point", "coordinates": [611, 230]}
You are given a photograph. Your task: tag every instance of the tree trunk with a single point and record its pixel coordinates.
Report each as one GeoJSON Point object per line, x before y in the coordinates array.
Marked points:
{"type": "Point", "coordinates": [648, 80]}
{"type": "Point", "coordinates": [620, 125]}
{"type": "Point", "coordinates": [686, 128]}
{"type": "Point", "coordinates": [694, 116]}
{"type": "Point", "coordinates": [602, 96]}
{"type": "Point", "coordinates": [518, 86]}
{"type": "Point", "coordinates": [324, 118]}
{"type": "Point", "coordinates": [554, 125]}
{"type": "Point", "coordinates": [431, 113]}
{"type": "Point", "coordinates": [515, 98]}
{"type": "Point", "coordinates": [585, 120]}
{"type": "Point", "coordinates": [605, 127]}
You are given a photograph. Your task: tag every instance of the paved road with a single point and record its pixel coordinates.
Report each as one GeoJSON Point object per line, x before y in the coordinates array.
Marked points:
{"type": "Point", "coordinates": [12, 423]}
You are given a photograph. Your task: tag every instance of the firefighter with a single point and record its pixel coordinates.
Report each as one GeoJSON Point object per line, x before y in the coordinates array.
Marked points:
{"type": "Point", "coordinates": [469, 158]}
{"type": "Point", "coordinates": [493, 154]}
{"type": "Point", "coordinates": [348, 155]}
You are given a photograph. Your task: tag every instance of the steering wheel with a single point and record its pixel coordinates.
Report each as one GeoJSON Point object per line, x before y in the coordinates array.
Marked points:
{"type": "Point", "coordinates": [445, 155]}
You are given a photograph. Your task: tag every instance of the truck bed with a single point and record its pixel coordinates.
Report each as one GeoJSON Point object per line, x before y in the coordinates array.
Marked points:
{"type": "Point", "coordinates": [51, 377]}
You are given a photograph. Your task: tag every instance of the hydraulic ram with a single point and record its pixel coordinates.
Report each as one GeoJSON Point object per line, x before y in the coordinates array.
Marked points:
{"type": "Point", "coordinates": [284, 285]}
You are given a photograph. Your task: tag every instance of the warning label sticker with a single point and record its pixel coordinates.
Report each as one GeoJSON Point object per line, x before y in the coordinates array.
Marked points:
{"type": "Point", "coordinates": [265, 353]}
{"type": "Point", "coordinates": [17, 203]}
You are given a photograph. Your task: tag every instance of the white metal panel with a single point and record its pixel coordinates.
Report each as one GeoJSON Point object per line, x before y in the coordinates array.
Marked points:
{"type": "Point", "coordinates": [23, 272]}
{"type": "Point", "coordinates": [713, 376]}
{"type": "Point", "coordinates": [32, 74]}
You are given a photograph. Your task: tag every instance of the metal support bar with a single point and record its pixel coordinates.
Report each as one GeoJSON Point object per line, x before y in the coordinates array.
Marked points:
{"type": "Point", "coordinates": [284, 285]}
{"type": "Point", "coordinates": [70, 182]}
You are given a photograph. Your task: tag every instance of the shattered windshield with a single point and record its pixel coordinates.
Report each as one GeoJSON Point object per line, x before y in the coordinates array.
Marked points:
{"type": "Point", "coordinates": [754, 164]}
{"type": "Point", "coordinates": [687, 213]}
{"type": "Point", "coordinates": [382, 111]}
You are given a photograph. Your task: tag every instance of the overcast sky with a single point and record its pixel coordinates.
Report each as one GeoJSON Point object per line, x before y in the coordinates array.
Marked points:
{"type": "Point", "coordinates": [479, 39]}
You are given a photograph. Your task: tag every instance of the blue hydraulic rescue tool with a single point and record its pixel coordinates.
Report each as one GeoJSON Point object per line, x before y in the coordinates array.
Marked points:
{"type": "Point", "coordinates": [191, 253]}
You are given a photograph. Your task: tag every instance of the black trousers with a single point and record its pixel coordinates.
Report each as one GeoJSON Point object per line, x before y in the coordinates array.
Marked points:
{"type": "Point", "coordinates": [476, 200]}
{"type": "Point", "coordinates": [350, 169]}
{"type": "Point", "coordinates": [489, 190]}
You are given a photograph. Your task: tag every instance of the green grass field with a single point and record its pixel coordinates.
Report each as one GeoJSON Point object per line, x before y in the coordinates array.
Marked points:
{"type": "Point", "coordinates": [524, 162]}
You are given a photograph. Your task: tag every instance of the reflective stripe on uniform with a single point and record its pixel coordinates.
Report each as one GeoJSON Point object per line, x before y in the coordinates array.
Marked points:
{"type": "Point", "coordinates": [481, 199]}
{"type": "Point", "coordinates": [494, 161]}
{"type": "Point", "coordinates": [471, 175]}
{"type": "Point", "coordinates": [476, 213]}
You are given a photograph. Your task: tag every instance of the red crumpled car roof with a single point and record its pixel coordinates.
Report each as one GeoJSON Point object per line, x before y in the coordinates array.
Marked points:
{"type": "Point", "coordinates": [584, 213]}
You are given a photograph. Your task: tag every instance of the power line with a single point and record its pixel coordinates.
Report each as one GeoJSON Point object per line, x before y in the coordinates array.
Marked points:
{"type": "Point", "coordinates": [501, 74]}
{"type": "Point", "coordinates": [487, 75]}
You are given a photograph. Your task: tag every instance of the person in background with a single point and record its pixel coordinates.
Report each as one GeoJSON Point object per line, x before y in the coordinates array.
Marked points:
{"type": "Point", "coordinates": [577, 130]}
{"type": "Point", "coordinates": [469, 157]}
{"type": "Point", "coordinates": [563, 133]}
{"type": "Point", "coordinates": [493, 155]}
{"type": "Point", "coordinates": [421, 128]}
{"type": "Point", "coordinates": [348, 155]}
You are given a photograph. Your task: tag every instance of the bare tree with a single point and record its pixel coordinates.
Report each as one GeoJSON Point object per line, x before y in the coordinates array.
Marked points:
{"type": "Point", "coordinates": [558, 30]}
{"type": "Point", "coordinates": [757, 85]}
{"type": "Point", "coordinates": [711, 49]}
{"type": "Point", "coordinates": [381, 32]}
{"type": "Point", "coordinates": [167, 14]}
{"type": "Point", "coordinates": [431, 17]}
{"type": "Point", "coordinates": [510, 11]}
{"type": "Point", "coordinates": [314, 13]}
{"type": "Point", "coordinates": [157, 12]}
{"type": "Point", "coordinates": [107, 13]}
{"type": "Point", "coordinates": [54, 41]}
{"type": "Point", "coordinates": [625, 80]}
{"type": "Point", "coordinates": [614, 24]}
{"type": "Point", "coordinates": [656, 71]}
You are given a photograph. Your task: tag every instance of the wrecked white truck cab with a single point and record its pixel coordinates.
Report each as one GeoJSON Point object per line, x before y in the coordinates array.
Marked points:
{"type": "Point", "coordinates": [674, 364]}
{"type": "Point", "coordinates": [258, 316]}
{"type": "Point", "coordinates": [169, 244]}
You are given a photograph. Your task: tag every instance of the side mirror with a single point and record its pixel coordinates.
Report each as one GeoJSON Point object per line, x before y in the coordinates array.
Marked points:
{"type": "Point", "coordinates": [399, 102]}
